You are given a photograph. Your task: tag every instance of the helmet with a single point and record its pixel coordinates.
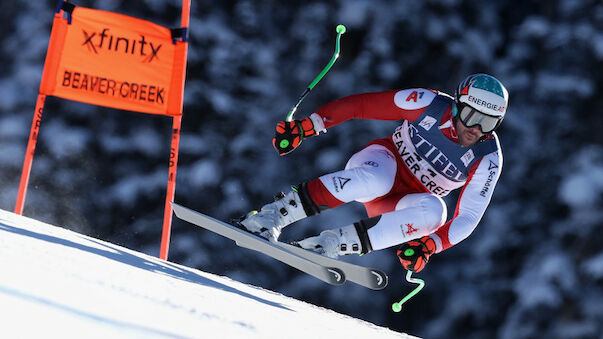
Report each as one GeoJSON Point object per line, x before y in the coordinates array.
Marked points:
{"type": "Point", "coordinates": [482, 100]}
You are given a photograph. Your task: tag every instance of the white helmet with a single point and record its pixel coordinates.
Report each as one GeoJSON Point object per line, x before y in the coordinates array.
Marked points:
{"type": "Point", "coordinates": [482, 100]}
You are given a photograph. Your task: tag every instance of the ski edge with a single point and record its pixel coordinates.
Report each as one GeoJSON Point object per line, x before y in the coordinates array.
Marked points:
{"type": "Point", "coordinates": [330, 275]}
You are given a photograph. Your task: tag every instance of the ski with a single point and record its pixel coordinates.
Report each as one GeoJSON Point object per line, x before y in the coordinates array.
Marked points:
{"type": "Point", "coordinates": [365, 276]}
{"type": "Point", "coordinates": [330, 275]}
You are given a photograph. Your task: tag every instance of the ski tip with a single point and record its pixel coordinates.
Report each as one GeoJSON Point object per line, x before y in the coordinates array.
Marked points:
{"type": "Point", "coordinates": [176, 208]}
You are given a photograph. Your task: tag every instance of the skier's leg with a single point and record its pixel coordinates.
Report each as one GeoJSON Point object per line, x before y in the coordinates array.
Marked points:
{"type": "Point", "coordinates": [417, 215]}
{"type": "Point", "coordinates": [369, 173]}
{"type": "Point", "coordinates": [286, 209]}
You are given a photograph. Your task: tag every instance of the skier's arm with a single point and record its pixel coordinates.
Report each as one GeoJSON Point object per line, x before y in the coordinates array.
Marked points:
{"type": "Point", "coordinates": [394, 105]}
{"type": "Point", "coordinates": [406, 104]}
{"type": "Point", "coordinates": [472, 203]}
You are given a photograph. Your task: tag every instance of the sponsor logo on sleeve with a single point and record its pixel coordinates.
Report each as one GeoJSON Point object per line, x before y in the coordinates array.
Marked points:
{"type": "Point", "coordinates": [493, 168]}
{"type": "Point", "coordinates": [415, 98]}
{"type": "Point", "coordinates": [492, 165]}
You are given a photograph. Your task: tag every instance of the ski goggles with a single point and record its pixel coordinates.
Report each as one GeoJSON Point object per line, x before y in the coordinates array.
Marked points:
{"type": "Point", "coordinates": [470, 117]}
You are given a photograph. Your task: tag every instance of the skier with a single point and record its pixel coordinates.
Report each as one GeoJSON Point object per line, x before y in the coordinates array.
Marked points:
{"type": "Point", "coordinates": [444, 143]}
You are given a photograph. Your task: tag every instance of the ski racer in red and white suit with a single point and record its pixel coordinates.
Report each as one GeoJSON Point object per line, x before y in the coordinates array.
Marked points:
{"type": "Point", "coordinates": [439, 147]}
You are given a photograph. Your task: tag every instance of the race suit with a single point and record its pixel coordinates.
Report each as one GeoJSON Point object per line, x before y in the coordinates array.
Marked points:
{"type": "Point", "coordinates": [402, 178]}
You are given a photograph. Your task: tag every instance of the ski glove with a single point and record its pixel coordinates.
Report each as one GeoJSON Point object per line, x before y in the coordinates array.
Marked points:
{"type": "Point", "coordinates": [414, 254]}
{"type": "Point", "coordinates": [289, 134]}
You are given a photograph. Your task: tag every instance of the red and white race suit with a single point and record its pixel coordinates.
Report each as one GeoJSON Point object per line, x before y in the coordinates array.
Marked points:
{"type": "Point", "coordinates": [402, 178]}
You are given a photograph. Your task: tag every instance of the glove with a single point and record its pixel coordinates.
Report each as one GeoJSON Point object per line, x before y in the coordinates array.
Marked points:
{"type": "Point", "coordinates": [414, 254]}
{"type": "Point", "coordinates": [289, 134]}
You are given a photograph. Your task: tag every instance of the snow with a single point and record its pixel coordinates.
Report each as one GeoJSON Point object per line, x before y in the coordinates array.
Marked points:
{"type": "Point", "coordinates": [248, 63]}
{"type": "Point", "coordinates": [57, 282]}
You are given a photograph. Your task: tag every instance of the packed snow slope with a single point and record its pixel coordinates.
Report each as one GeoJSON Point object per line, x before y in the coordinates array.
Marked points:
{"type": "Point", "coordinates": [55, 282]}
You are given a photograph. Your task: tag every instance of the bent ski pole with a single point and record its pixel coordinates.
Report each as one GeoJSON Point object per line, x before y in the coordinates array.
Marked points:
{"type": "Point", "coordinates": [397, 307]}
{"type": "Point", "coordinates": [340, 30]}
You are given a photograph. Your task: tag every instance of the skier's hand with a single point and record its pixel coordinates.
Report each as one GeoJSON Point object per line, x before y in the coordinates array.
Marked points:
{"type": "Point", "coordinates": [289, 134]}
{"type": "Point", "coordinates": [414, 254]}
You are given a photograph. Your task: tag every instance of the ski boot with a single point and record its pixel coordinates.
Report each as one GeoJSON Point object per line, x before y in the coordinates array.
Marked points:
{"type": "Point", "coordinates": [335, 242]}
{"type": "Point", "coordinates": [273, 217]}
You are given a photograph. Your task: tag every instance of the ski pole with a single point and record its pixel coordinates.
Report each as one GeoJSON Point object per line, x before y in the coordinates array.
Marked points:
{"type": "Point", "coordinates": [397, 307]}
{"type": "Point", "coordinates": [340, 30]}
